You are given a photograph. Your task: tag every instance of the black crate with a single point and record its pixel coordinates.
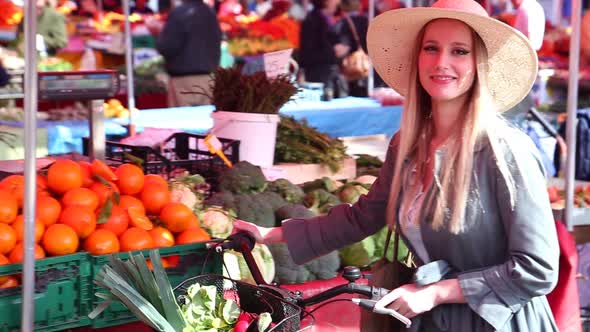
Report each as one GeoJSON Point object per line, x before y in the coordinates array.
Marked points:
{"type": "Point", "coordinates": [180, 151]}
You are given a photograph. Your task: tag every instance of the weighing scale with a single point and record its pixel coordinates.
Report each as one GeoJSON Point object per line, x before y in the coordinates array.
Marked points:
{"type": "Point", "coordinates": [91, 87]}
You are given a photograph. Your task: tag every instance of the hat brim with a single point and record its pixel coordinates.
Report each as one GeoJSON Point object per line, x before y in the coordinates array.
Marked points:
{"type": "Point", "coordinates": [512, 61]}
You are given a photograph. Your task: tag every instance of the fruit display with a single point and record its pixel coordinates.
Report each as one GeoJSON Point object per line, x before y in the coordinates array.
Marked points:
{"type": "Point", "coordinates": [54, 64]}
{"type": "Point", "coordinates": [114, 109]}
{"type": "Point", "coordinates": [252, 35]}
{"type": "Point", "coordinates": [581, 197]}
{"type": "Point", "coordinates": [93, 207]}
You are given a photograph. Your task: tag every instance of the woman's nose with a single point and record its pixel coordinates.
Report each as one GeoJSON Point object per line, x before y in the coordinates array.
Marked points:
{"type": "Point", "coordinates": [442, 60]}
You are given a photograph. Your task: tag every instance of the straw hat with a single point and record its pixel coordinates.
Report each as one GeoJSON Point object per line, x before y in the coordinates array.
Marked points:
{"type": "Point", "coordinates": [512, 61]}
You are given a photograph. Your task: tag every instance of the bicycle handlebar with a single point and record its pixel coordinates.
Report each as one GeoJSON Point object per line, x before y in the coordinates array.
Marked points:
{"type": "Point", "coordinates": [243, 242]}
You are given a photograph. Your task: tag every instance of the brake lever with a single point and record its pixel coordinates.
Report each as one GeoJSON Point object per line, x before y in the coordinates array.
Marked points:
{"type": "Point", "coordinates": [370, 305]}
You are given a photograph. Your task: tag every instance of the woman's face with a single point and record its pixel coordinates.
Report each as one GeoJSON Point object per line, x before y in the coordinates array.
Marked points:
{"type": "Point", "coordinates": [446, 62]}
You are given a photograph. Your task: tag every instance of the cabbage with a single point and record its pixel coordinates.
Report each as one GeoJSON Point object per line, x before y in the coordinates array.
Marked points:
{"type": "Point", "coordinates": [371, 249]}
{"type": "Point", "coordinates": [237, 268]}
{"type": "Point", "coordinates": [352, 191]}
{"type": "Point", "coordinates": [218, 222]}
{"type": "Point", "coordinates": [206, 310]}
{"type": "Point", "coordinates": [359, 254]}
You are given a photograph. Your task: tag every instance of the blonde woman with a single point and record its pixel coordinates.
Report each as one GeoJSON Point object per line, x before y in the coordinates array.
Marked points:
{"type": "Point", "coordinates": [467, 191]}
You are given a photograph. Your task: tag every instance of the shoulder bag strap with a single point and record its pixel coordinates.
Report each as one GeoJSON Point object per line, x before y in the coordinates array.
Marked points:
{"type": "Point", "coordinates": [355, 34]}
{"type": "Point", "coordinates": [395, 243]}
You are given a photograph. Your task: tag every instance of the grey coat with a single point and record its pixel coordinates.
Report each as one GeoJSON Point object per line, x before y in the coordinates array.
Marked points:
{"type": "Point", "coordinates": [506, 259]}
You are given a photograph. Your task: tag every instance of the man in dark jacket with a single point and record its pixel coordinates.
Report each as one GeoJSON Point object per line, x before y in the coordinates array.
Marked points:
{"type": "Point", "coordinates": [321, 48]}
{"type": "Point", "coordinates": [190, 44]}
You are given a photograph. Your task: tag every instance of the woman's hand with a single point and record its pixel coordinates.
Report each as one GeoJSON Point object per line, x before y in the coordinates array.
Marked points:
{"type": "Point", "coordinates": [263, 235]}
{"type": "Point", "coordinates": [411, 300]}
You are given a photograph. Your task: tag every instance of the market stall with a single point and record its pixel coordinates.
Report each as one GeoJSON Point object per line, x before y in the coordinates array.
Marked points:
{"type": "Point", "coordinates": [339, 118]}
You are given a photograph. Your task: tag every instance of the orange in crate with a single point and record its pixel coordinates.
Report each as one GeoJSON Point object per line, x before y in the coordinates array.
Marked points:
{"type": "Point", "coordinates": [101, 169]}
{"type": "Point", "coordinates": [7, 239]}
{"type": "Point", "coordinates": [162, 237]}
{"type": "Point", "coordinates": [102, 242]}
{"type": "Point", "coordinates": [4, 261]}
{"type": "Point", "coordinates": [136, 239]}
{"type": "Point", "coordinates": [118, 222]}
{"type": "Point", "coordinates": [86, 168]}
{"type": "Point", "coordinates": [176, 217]}
{"type": "Point", "coordinates": [104, 192]}
{"type": "Point", "coordinates": [139, 220]}
{"type": "Point", "coordinates": [126, 201]}
{"type": "Point", "coordinates": [192, 236]}
{"type": "Point", "coordinates": [19, 228]}
{"type": "Point", "coordinates": [10, 282]}
{"type": "Point", "coordinates": [130, 179]}
{"type": "Point", "coordinates": [48, 210]}
{"type": "Point", "coordinates": [64, 175]}
{"type": "Point", "coordinates": [153, 178]}
{"type": "Point", "coordinates": [60, 239]}
{"type": "Point", "coordinates": [15, 185]}
{"type": "Point", "coordinates": [17, 254]}
{"type": "Point", "coordinates": [83, 197]}
{"type": "Point", "coordinates": [8, 207]}
{"type": "Point", "coordinates": [154, 197]}
{"type": "Point", "coordinates": [81, 219]}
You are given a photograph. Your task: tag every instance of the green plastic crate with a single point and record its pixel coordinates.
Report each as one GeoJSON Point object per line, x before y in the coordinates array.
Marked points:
{"type": "Point", "coordinates": [193, 260]}
{"type": "Point", "coordinates": [63, 294]}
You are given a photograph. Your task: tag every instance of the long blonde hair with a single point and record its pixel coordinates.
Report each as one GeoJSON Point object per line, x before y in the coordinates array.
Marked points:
{"type": "Point", "coordinates": [478, 120]}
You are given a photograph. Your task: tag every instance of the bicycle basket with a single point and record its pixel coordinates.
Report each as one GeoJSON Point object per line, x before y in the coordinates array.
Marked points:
{"type": "Point", "coordinates": [250, 298]}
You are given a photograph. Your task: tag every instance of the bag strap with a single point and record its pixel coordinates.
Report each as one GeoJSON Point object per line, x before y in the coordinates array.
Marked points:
{"type": "Point", "coordinates": [395, 243]}
{"type": "Point", "coordinates": [355, 34]}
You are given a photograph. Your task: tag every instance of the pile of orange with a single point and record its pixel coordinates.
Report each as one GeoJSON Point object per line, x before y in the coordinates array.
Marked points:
{"type": "Point", "coordinates": [95, 208]}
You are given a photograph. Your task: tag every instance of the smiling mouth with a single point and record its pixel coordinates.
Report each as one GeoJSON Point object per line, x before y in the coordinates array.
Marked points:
{"type": "Point", "coordinates": [442, 78]}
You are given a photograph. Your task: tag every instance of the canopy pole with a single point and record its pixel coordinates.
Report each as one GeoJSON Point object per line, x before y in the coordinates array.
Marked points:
{"type": "Point", "coordinates": [30, 119]}
{"type": "Point", "coordinates": [572, 114]}
{"type": "Point", "coordinates": [371, 77]}
{"type": "Point", "coordinates": [129, 66]}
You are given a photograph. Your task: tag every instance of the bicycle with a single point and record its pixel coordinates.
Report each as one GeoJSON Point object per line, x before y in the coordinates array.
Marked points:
{"type": "Point", "coordinates": [286, 307]}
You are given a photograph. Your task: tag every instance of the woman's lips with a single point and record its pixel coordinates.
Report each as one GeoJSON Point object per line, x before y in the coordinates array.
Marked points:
{"type": "Point", "coordinates": [442, 79]}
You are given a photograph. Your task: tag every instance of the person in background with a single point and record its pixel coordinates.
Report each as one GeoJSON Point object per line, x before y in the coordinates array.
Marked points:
{"type": "Point", "coordinates": [141, 7]}
{"type": "Point", "coordinates": [321, 48]}
{"type": "Point", "coordinates": [52, 26]}
{"type": "Point", "coordinates": [4, 75]}
{"type": "Point", "coordinates": [530, 20]}
{"type": "Point", "coordinates": [87, 8]}
{"type": "Point", "coordinates": [351, 8]}
{"type": "Point", "coordinates": [114, 6]}
{"type": "Point", "coordinates": [190, 43]}
{"type": "Point", "coordinates": [464, 190]}
{"type": "Point", "coordinates": [164, 6]}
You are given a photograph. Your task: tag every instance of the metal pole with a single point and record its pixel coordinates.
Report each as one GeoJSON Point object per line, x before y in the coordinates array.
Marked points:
{"type": "Point", "coordinates": [129, 63]}
{"type": "Point", "coordinates": [97, 144]}
{"type": "Point", "coordinates": [30, 105]}
{"type": "Point", "coordinates": [371, 77]}
{"type": "Point", "coordinates": [572, 108]}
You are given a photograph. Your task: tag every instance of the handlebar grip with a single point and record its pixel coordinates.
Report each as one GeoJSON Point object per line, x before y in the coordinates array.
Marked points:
{"type": "Point", "coordinates": [239, 242]}
{"type": "Point", "coordinates": [380, 292]}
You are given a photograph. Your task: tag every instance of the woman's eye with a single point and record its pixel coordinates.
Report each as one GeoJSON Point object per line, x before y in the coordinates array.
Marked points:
{"type": "Point", "coordinates": [461, 51]}
{"type": "Point", "coordinates": [430, 48]}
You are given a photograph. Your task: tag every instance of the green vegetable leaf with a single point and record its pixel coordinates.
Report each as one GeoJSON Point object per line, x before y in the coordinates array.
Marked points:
{"type": "Point", "coordinates": [264, 321]}
{"type": "Point", "coordinates": [230, 312]}
{"type": "Point", "coordinates": [105, 212]}
{"type": "Point", "coordinates": [171, 309]}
